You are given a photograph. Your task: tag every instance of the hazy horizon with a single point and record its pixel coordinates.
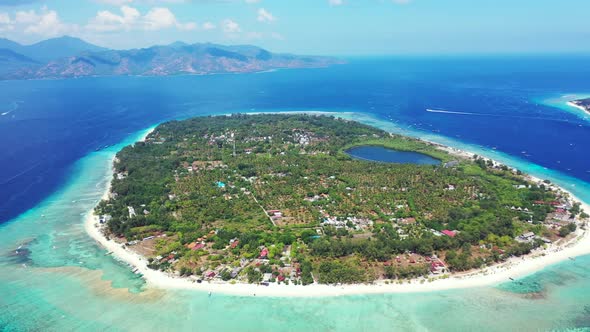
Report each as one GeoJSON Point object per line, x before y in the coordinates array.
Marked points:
{"type": "Point", "coordinates": [373, 55]}
{"type": "Point", "coordinates": [328, 27]}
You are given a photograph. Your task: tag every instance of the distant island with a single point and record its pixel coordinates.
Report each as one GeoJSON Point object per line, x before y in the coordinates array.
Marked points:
{"type": "Point", "coordinates": [278, 199]}
{"type": "Point", "coordinates": [68, 57]}
{"type": "Point", "coordinates": [583, 104]}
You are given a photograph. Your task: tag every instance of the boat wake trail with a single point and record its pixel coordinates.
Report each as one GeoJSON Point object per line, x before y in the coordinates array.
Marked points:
{"type": "Point", "coordinates": [13, 107]}
{"type": "Point", "coordinates": [452, 112]}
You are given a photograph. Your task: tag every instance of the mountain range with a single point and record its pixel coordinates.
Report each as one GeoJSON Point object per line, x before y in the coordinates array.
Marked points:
{"type": "Point", "coordinates": [72, 57]}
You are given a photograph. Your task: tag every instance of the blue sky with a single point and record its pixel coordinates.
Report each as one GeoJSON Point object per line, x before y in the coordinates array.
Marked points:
{"type": "Point", "coordinates": [338, 27]}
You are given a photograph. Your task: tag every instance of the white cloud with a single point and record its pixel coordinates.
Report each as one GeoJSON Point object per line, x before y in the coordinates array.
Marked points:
{"type": "Point", "coordinates": [44, 23]}
{"type": "Point", "coordinates": [108, 21]}
{"type": "Point", "coordinates": [125, 2]}
{"type": "Point", "coordinates": [252, 1]}
{"type": "Point", "coordinates": [265, 16]}
{"type": "Point", "coordinates": [131, 19]}
{"type": "Point", "coordinates": [26, 17]}
{"type": "Point", "coordinates": [208, 26]}
{"type": "Point", "coordinates": [114, 2]}
{"type": "Point", "coordinates": [4, 18]}
{"type": "Point", "coordinates": [190, 26]}
{"type": "Point", "coordinates": [159, 18]}
{"type": "Point", "coordinates": [401, 2]}
{"type": "Point", "coordinates": [49, 24]}
{"type": "Point", "coordinates": [5, 23]}
{"type": "Point", "coordinates": [336, 2]}
{"type": "Point", "coordinates": [230, 26]}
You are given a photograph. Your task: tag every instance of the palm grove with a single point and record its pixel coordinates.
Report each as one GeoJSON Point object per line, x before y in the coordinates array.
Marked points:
{"type": "Point", "coordinates": [276, 198]}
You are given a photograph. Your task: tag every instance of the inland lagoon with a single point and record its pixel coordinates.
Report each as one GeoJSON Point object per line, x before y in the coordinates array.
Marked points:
{"type": "Point", "coordinates": [386, 155]}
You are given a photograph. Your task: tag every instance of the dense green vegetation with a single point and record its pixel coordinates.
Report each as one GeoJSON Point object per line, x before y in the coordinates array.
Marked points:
{"type": "Point", "coordinates": [226, 190]}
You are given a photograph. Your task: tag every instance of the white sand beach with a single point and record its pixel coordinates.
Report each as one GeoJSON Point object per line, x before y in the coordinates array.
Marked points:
{"type": "Point", "coordinates": [569, 103]}
{"type": "Point", "coordinates": [513, 268]}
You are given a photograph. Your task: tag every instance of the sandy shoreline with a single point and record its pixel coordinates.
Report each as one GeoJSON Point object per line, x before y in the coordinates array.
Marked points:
{"type": "Point", "coordinates": [578, 107]}
{"type": "Point", "coordinates": [513, 268]}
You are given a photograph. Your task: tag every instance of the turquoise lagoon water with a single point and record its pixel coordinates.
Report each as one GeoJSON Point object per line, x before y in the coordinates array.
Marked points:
{"type": "Point", "coordinates": [66, 282]}
{"type": "Point", "coordinates": [51, 175]}
{"type": "Point", "coordinates": [561, 102]}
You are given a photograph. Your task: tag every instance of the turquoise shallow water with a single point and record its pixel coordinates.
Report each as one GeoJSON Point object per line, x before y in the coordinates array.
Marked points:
{"type": "Point", "coordinates": [561, 102]}
{"type": "Point", "coordinates": [65, 282]}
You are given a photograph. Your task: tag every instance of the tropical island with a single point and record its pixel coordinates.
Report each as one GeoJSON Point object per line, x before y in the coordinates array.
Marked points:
{"type": "Point", "coordinates": [281, 198]}
{"type": "Point", "coordinates": [583, 104]}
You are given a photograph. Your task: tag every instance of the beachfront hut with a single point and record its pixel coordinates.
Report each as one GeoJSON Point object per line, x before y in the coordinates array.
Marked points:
{"type": "Point", "coordinates": [528, 236]}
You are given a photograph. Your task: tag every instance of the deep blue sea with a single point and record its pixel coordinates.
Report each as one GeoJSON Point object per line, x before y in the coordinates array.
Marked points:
{"type": "Point", "coordinates": [49, 124]}
{"type": "Point", "coordinates": [57, 138]}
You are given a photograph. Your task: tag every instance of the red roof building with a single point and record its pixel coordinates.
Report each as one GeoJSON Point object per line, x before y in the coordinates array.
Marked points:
{"type": "Point", "coordinates": [554, 203]}
{"type": "Point", "coordinates": [434, 266]}
{"type": "Point", "coordinates": [449, 233]}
